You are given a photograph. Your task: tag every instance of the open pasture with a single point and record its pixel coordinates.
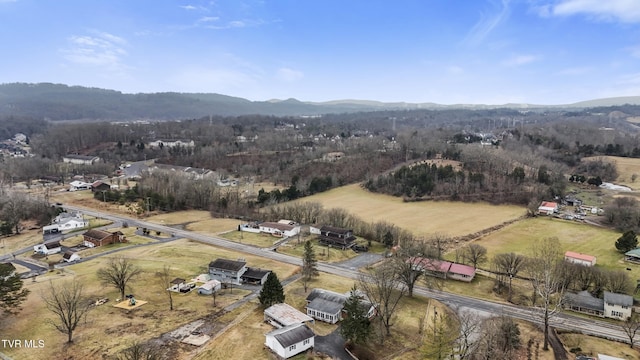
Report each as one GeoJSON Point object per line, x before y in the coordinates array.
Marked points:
{"type": "Point", "coordinates": [628, 170]}
{"type": "Point", "coordinates": [573, 236]}
{"type": "Point", "coordinates": [422, 218]}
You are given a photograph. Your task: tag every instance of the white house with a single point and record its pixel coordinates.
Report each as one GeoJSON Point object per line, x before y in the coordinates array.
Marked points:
{"type": "Point", "coordinates": [168, 143]}
{"type": "Point", "coordinates": [48, 248]}
{"type": "Point", "coordinates": [79, 185]}
{"type": "Point", "coordinates": [617, 306]}
{"type": "Point", "coordinates": [580, 259]}
{"type": "Point", "coordinates": [227, 271]}
{"type": "Point", "coordinates": [280, 229]}
{"type": "Point", "coordinates": [548, 208]}
{"type": "Point", "coordinates": [72, 223]}
{"type": "Point", "coordinates": [70, 256]}
{"type": "Point", "coordinates": [291, 340]}
{"type": "Point", "coordinates": [325, 305]}
{"type": "Point", "coordinates": [80, 159]}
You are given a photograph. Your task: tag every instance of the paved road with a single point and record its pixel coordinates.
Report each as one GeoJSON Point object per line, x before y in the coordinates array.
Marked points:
{"type": "Point", "coordinates": [562, 321]}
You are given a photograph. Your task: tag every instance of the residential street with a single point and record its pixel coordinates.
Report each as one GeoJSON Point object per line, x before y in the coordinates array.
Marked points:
{"type": "Point", "coordinates": [346, 269]}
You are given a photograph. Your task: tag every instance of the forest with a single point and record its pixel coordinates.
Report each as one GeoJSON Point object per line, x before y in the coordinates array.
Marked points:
{"type": "Point", "coordinates": [505, 155]}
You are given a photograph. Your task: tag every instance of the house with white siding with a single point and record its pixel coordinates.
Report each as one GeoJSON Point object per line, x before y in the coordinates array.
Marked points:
{"type": "Point", "coordinates": [617, 306]}
{"type": "Point", "coordinates": [227, 271]}
{"type": "Point", "coordinates": [290, 340]}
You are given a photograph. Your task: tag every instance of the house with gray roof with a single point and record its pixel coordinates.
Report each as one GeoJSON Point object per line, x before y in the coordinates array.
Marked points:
{"type": "Point", "coordinates": [227, 271]}
{"type": "Point", "coordinates": [290, 340]}
{"type": "Point", "coordinates": [617, 306]}
{"type": "Point", "coordinates": [325, 305]}
{"type": "Point", "coordinates": [585, 303]}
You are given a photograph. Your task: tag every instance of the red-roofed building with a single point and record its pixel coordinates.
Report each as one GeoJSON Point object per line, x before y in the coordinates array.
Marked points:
{"type": "Point", "coordinates": [580, 259]}
{"type": "Point", "coordinates": [548, 208]}
{"type": "Point", "coordinates": [443, 269]}
{"type": "Point", "coordinates": [461, 272]}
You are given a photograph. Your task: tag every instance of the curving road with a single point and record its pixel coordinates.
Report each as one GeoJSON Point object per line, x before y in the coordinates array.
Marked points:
{"type": "Point", "coordinates": [561, 321]}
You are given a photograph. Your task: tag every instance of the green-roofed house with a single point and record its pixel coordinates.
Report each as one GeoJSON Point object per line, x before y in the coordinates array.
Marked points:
{"type": "Point", "coordinates": [633, 255]}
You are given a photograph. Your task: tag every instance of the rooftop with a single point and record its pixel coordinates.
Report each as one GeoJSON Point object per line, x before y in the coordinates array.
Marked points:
{"type": "Point", "coordinates": [579, 256]}
{"type": "Point", "coordinates": [225, 264]}
{"type": "Point", "coordinates": [292, 334]}
{"type": "Point", "coordinates": [286, 314]}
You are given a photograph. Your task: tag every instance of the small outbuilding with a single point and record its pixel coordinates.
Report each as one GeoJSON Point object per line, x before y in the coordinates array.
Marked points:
{"type": "Point", "coordinates": [70, 256]}
{"type": "Point", "coordinates": [291, 340]}
{"type": "Point", "coordinates": [283, 315]}
{"type": "Point", "coordinates": [580, 259]}
{"type": "Point", "coordinates": [209, 287]}
{"type": "Point", "coordinates": [548, 208]}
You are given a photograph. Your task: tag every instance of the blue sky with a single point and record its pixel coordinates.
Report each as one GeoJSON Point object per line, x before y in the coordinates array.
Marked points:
{"type": "Point", "coordinates": [443, 51]}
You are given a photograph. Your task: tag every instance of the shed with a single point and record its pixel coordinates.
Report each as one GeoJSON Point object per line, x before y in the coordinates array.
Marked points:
{"type": "Point", "coordinates": [548, 208]}
{"type": "Point", "coordinates": [209, 287]}
{"type": "Point", "coordinates": [580, 259]}
{"type": "Point", "coordinates": [283, 315]}
{"type": "Point", "coordinates": [70, 256]}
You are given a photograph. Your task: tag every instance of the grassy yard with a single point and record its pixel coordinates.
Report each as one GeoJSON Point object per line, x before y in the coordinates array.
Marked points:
{"type": "Point", "coordinates": [186, 259]}
{"type": "Point", "coordinates": [262, 240]}
{"type": "Point", "coordinates": [323, 253]}
{"type": "Point", "coordinates": [422, 218]}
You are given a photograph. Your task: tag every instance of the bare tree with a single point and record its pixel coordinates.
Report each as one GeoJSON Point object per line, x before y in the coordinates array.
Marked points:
{"type": "Point", "coordinates": [507, 266]}
{"type": "Point", "coordinates": [406, 270]}
{"type": "Point", "coordinates": [164, 279]}
{"type": "Point", "coordinates": [617, 282]}
{"type": "Point", "coordinates": [475, 254]}
{"type": "Point", "coordinates": [68, 302]}
{"type": "Point", "coordinates": [499, 339]}
{"type": "Point", "coordinates": [469, 323]}
{"type": "Point", "coordinates": [118, 272]}
{"type": "Point", "coordinates": [141, 351]}
{"type": "Point", "coordinates": [631, 326]}
{"type": "Point", "coordinates": [547, 280]}
{"type": "Point", "coordinates": [383, 289]}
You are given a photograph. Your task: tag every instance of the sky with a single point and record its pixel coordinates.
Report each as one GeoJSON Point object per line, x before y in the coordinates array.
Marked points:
{"type": "Point", "coordinates": [441, 51]}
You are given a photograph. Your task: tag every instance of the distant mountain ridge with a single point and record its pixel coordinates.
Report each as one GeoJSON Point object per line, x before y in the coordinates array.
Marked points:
{"type": "Point", "coordinates": [63, 102]}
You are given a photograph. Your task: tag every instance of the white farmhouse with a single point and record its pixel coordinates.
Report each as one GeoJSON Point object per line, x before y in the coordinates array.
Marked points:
{"type": "Point", "coordinates": [617, 306]}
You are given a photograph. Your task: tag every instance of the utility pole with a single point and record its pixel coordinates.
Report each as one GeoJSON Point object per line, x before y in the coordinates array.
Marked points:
{"type": "Point", "coordinates": [147, 206]}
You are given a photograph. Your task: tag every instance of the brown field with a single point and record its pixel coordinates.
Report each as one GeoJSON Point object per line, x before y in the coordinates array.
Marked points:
{"type": "Point", "coordinates": [627, 168]}
{"type": "Point", "coordinates": [422, 218]}
{"type": "Point", "coordinates": [186, 258]}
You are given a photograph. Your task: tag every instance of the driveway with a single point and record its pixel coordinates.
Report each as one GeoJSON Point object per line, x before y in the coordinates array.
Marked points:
{"type": "Point", "coordinates": [360, 261]}
{"type": "Point", "coordinates": [332, 345]}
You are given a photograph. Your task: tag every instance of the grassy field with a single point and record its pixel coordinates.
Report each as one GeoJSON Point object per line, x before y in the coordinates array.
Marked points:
{"type": "Point", "coordinates": [186, 259]}
{"type": "Point", "coordinates": [422, 218]}
{"type": "Point", "coordinates": [627, 168]}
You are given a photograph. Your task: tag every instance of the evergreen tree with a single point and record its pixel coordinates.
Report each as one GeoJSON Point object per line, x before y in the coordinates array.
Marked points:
{"type": "Point", "coordinates": [309, 268]}
{"type": "Point", "coordinates": [11, 291]}
{"type": "Point", "coordinates": [628, 241]}
{"type": "Point", "coordinates": [272, 292]}
{"type": "Point", "coordinates": [355, 327]}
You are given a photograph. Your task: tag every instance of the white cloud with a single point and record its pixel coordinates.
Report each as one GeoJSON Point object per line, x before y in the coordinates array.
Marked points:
{"type": "Point", "coordinates": [97, 49]}
{"type": "Point", "coordinates": [207, 19]}
{"type": "Point", "coordinates": [289, 75]}
{"type": "Point", "coordinates": [518, 60]}
{"type": "Point", "coordinates": [487, 24]}
{"type": "Point", "coordinates": [627, 11]}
